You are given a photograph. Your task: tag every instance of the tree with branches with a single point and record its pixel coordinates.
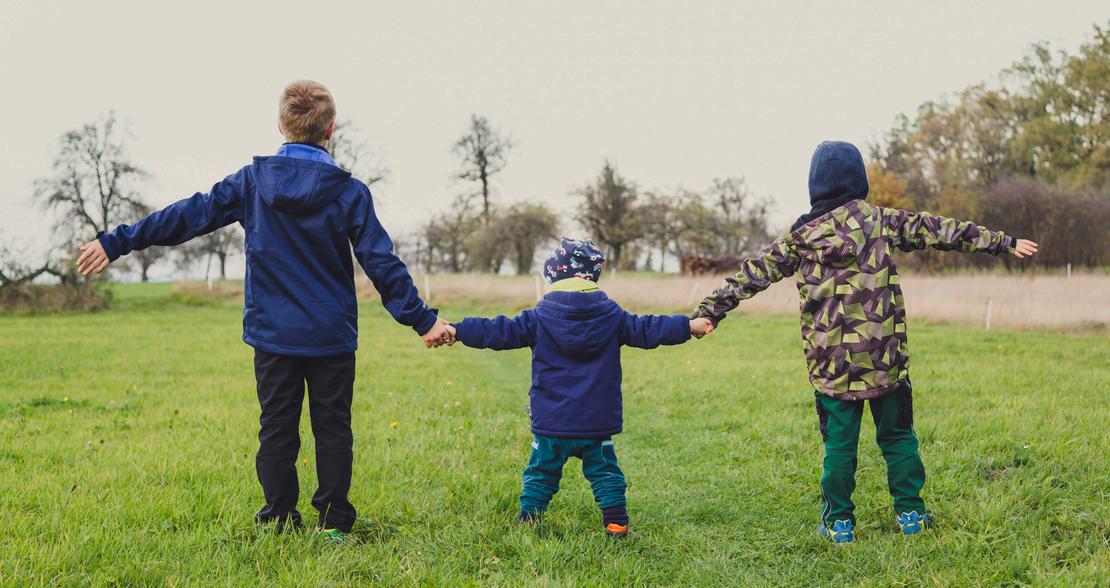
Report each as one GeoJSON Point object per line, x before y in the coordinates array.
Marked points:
{"type": "Point", "coordinates": [608, 211]}
{"type": "Point", "coordinates": [220, 245]}
{"type": "Point", "coordinates": [94, 184]}
{"type": "Point", "coordinates": [483, 152]}
{"type": "Point", "coordinates": [445, 237]}
{"type": "Point", "coordinates": [351, 151]}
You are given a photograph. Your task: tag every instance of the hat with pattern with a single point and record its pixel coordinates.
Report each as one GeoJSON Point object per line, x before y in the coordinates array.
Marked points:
{"type": "Point", "coordinates": [573, 258]}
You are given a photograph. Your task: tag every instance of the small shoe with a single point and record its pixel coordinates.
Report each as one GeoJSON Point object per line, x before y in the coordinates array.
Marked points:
{"type": "Point", "coordinates": [912, 523]}
{"type": "Point", "coordinates": [528, 516]}
{"type": "Point", "coordinates": [334, 536]}
{"type": "Point", "coordinates": [616, 530]}
{"type": "Point", "coordinates": [841, 532]}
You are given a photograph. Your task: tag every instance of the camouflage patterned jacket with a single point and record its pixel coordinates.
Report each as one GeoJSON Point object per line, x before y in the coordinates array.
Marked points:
{"type": "Point", "coordinates": [853, 319]}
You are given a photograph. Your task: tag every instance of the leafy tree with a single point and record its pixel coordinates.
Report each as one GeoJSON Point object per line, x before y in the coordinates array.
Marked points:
{"type": "Point", "coordinates": [486, 249]}
{"type": "Point", "coordinates": [887, 189]}
{"type": "Point", "coordinates": [609, 212]}
{"type": "Point", "coordinates": [524, 228]}
{"type": "Point", "coordinates": [1037, 138]}
{"type": "Point", "coordinates": [483, 152]}
{"type": "Point", "coordinates": [1064, 112]}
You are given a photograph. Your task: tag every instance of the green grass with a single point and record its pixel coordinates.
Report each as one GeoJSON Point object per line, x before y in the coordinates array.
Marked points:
{"type": "Point", "coordinates": [127, 441]}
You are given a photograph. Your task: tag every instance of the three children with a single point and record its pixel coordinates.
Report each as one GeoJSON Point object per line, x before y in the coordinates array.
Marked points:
{"type": "Point", "coordinates": [303, 216]}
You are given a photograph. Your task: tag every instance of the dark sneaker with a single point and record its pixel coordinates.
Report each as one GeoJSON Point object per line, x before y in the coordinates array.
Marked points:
{"type": "Point", "coordinates": [912, 523]}
{"type": "Point", "coordinates": [288, 524]}
{"type": "Point", "coordinates": [616, 530]}
{"type": "Point", "coordinates": [840, 532]}
{"type": "Point", "coordinates": [528, 517]}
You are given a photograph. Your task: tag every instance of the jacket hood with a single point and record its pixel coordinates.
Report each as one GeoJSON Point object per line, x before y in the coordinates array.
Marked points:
{"type": "Point", "coordinates": [836, 172]}
{"type": "Point", "coordinates": [297, 186]}
{"type": "Point", "coordinates": [580, 323]}
{"type": "Point", "coordinates": [836, 177]}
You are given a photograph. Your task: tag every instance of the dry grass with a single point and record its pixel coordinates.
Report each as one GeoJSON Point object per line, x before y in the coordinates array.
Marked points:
{"type": "Point", "coordinates": [1017, 301]}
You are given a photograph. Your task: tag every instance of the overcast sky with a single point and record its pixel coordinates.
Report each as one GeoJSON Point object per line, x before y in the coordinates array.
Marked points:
{"type": "Point", "coordinates": [675, 93]}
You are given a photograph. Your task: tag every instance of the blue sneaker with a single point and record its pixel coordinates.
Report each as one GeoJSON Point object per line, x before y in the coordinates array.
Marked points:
{"type": "Point", "coordinates": [841, 532]}
{"type": "Point", "coordinates": [912, 523]}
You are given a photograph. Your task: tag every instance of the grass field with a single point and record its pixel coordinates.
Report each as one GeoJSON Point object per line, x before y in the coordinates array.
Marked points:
{"type": "Point", "coordinates": [127, 442]}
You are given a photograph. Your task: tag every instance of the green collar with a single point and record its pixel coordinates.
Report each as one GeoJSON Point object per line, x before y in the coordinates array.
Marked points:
{"type": "Point", "coordinates": [573, 285]}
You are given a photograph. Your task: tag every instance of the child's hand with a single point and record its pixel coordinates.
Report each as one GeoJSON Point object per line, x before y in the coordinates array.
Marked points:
{"type": "Point", "coordinates": [701, 327]}
{"type": "Point", "coordinates": [93, 259]}
{"type": "Point", "coordinates": [440, 334]}
{"type": "Point", "coordinates": [1024, 248]}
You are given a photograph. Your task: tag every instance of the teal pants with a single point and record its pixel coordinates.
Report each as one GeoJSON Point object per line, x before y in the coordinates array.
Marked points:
{"type": "Point", "coordinates": [840, 423]}
{"type": "Point", "coordinates": [545, 469]}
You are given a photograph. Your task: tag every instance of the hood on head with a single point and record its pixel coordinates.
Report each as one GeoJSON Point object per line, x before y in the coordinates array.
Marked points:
{"type": "Point", "coordinates": [580, 324]}
{"type": "Point", "coordinates": [296, 186]}
{"type": "Point", "coordinates": [837, 173]}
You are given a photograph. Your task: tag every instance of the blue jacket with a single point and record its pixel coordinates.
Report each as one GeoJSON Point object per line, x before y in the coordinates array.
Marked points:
{"type": "Point", "coordinates": [576, 365]}
{"type": "Point", "coordinates": [301, 214]}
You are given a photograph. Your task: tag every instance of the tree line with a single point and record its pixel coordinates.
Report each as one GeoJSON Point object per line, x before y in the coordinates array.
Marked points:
{"type": "Point", "coordinates": [1028, 152]}
{"type": "Point", "coordinates": [637, 228]}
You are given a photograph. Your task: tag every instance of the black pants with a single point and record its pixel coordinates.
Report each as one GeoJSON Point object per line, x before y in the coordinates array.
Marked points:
{"type": "Point", "coordinates": [281, 384]}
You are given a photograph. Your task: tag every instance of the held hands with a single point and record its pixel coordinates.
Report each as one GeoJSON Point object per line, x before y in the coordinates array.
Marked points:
{"type": "Point", "coordinates": [93, 259]}
{"type": "Point", "coordinates": [1024, 248]}
{"type": "Point", "coordinates": [440, 334]}
{"type": "Point", "coordinates": [701, 327]}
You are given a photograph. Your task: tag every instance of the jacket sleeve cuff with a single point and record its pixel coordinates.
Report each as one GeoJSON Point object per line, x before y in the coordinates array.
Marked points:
{"type": "Point", "coordinates": [427, 322]}
{"type": "Point", "coordinates": [109, 245]}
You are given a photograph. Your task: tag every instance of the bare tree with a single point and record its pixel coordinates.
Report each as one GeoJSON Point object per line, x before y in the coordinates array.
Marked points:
{"type": "Point", "coordinates": [221, 245]}
{"type": "Point", "coordinates": [742, 221]}
{"type": "Point", "coordinates": [608, 212]}
{"type": "Point", "coordinates": [143, 259]}
{"type": "Point", "coordinates": [483, 152]}
{"type": "Point", "coordinates": [14, 272]}
{"type": "Point", "coordinates": [94, 183]}
{"type": "Point", "coordinates": [351, 151]}
{"type": "Point", "coordinates": [445, 237]}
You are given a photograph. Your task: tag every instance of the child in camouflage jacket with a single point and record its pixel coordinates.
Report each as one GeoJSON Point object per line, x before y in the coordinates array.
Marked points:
{"type": "Point", "coordinates": [853, 323]}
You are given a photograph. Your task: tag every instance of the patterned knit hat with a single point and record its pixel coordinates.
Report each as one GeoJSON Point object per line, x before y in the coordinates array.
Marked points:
{"type": "Point", "coordinates": [573, 258]}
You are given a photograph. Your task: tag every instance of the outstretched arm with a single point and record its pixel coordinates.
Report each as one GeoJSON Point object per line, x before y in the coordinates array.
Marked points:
{"type": "Point", "coordinates": [374, 251]}
{"type": "Point", "coordinates": [775, 262]}
{"type": "Point", "coordinates": [649, 331]}
{"type": "Point", "coordinates": [918, 230]}
{"type": "Point", "coordinates": [498, 333]}
{"type": "Point", "coordinates": [194, 216]}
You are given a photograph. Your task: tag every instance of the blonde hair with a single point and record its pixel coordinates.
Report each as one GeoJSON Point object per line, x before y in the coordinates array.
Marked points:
{"type": "Point", "coordinates": [305, 111]}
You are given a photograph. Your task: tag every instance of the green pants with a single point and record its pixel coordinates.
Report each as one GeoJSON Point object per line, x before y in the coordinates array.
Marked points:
{"type": "Point", "coordinates": [840, 422]}
{"type": "Point", "coordinates": [545, 469]}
